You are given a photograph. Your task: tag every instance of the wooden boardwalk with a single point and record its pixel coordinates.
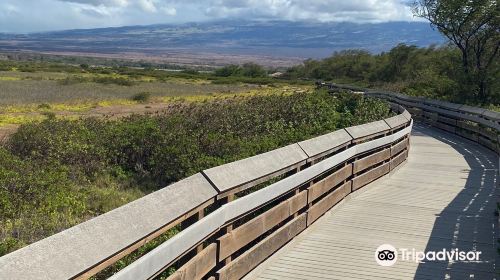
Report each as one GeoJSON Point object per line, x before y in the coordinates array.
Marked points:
{"type": "Point", "coordinates": [443, 197]}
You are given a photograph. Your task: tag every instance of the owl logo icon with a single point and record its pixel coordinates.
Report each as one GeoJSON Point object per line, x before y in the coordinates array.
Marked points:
{"type": "Point", "coordinates": [386, 255]}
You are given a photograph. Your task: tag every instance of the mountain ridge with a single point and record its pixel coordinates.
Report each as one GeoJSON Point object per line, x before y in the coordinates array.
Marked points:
{"type": "Point", "coordinates": [284, 39]}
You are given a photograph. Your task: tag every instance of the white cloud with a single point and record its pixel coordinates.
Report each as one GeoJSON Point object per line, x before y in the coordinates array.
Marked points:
{"type": "Point", "coordinates": [8, 9]}
{"type": "Point", "coordinates": [147, 6]}
{"type": "Point", "coordinates": [107, 3]}
{"type": "Point", "coordinates": [322, 10]}
{"type": "Point", "coordinates": [169, 11]}
{"type": "Point", "coordinates": [36, 15]}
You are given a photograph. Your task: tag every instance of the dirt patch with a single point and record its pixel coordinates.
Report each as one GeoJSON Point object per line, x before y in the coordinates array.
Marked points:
{"type": "Point", "coordinates": [114, 111]}
{"type": "Point", "coordinates": [6, 131]}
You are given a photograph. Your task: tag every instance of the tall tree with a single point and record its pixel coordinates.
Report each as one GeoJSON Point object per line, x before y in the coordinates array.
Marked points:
{"type": "Point", "coordinates": [474, 27]}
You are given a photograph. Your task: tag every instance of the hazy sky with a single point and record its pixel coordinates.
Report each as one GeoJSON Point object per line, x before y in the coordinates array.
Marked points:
{"type": "Point", "coordinates": [43, 15]}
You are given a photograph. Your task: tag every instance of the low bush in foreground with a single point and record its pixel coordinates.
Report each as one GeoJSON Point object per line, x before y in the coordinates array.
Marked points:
{"type": "Point", "coordinates": [58, 173]}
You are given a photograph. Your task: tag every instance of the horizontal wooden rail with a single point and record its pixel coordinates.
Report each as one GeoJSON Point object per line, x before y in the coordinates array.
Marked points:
{"type": "Point", "coordinates": [233, 216]}
{"type": "Point", "coordinates": [477, 124]}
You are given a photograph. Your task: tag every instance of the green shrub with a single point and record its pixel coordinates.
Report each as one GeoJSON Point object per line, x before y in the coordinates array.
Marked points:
{"type": "Point", "coordinates": [49, 115]}
{"type": "Point", "coordinates": [71, 80]}
{"type": "Point", "coordinates": [44, 106]}
{"type": "Point", "coordinates": [57, 173]}
{"type": "Point", "coordinates": [190, 72]}
{"type": "Point", "coordinates": [227, 71]}
{"type": "Point", "coordinates": [142, 97]}
{"type": "Point", "coordinates": [249, 70]}
{"type": "Point", "coordinates": [114, 80]}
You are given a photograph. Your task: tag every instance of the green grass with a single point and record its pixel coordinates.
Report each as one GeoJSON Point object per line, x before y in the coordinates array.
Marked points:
{"type": "Point", "coordinates": [22, 92]}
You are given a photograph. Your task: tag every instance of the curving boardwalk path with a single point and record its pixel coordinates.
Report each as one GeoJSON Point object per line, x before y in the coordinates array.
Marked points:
{"type": "Point", "coordinates": [443, 197]}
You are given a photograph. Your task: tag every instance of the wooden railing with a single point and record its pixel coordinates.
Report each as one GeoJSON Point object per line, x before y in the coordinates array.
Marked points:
{"type": "Point", "coordinates": [232, 217]}
{"type": "Point", "coordinates": [476, 124]}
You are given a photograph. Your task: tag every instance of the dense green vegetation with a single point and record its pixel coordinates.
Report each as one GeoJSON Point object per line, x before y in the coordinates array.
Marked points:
{"type": "Point", "coordinates": [472, 27]}
{"type": "Point", "coordinates": [87, 60]}
{"type": "Point", "coordinates": [246, 70]}
{"type": "Point", "coordinates": [121, 75]}
{"type": "Point", "coordinates": [434, 72]}
{"type": "Point", "coordinates": [57, 173]}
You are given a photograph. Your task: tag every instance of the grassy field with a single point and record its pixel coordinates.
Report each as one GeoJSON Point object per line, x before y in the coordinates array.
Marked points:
{"type": "Point", "coordinates": [28, 88]}
{"type": "Point", "coordinates": [28, 95]}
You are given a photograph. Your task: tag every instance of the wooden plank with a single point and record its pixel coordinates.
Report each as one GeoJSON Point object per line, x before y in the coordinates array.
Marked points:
{"type": "Point", "coordinates": [246, 233]}
{"type": "Point", "coordinates": [492, 115]}
{"type": "Point", "coordinates": [472, 110]}
{"type": "Point", "coordinates": [488, 143]}
{"type": "Point", "coordinates": [399, 147]}
{"type": "Point", "coordinates": [297, 202]}
{"type": "Point", "coordinates": [326, 184]}
{"type": "Point", "coordinates": [364, 131]}
{"type": "Point", "coordinates": [328, 202]}
{"type": "Point", "coordinates": [489, 134]}
{"type": "Point", "coordinates": [442, 104]}
{"type": "Point", "coordinates": [198, 266]}
{"type": "Point", "coordinates": [406, 114]}
{"type": "Point", "coordinates": [241, 236]}
{"type": "Point", "coordinates": [466, 125]}
{"type": "Point", "coordinates": [415, 111]}
{"type": "Point", "coordinates": [398, 159]}
{"type": "Point", "coordinates": [380, 142]}
{"type": "Point", "coordinates": [366, 162]}
{"type": "Point", "coordinates": [447, 120]}
{"type": "Point", "coordinates": [250, 259]}
{"type": "Point", "coordinates": [101, 241]}
{"type": "Point", "coordinates": [325, 144]}
{"type": "Point", "coordinates": [431, 115]}
{"type": "Point", "coordinates": [446, 127]}
{"type": "Point", "coordinates": [449, 105]}
{"type": "Point", "coordinates": [369, 176]}
{"type": "Point", "coordinates": [396, 121]}
{"type": "Point", "coordinates": [408, 104]}
{"type": "Point", "coordinates": [247, 172]}
{"type": "Point", "coordinates": [467, 134]}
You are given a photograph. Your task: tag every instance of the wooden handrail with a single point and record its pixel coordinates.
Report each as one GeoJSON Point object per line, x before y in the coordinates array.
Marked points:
{"type": "Point", "coordinates": [313, 176]}
{"type": "Point", "coordinates": [477, 124]}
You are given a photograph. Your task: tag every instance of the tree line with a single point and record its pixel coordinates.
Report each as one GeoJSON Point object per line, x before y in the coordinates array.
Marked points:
{"type": "Point", "coordinates": [433, 72]}
{"type": "Point", "coordinates": [466, 71]}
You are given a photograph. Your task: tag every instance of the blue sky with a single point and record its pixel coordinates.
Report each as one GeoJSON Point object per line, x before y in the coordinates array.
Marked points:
{"type": "Point", "coordinates": [22, 16]}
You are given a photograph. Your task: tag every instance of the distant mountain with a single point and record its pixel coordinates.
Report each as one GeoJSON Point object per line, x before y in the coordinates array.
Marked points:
{"type": "Point", "coordinates": [231, 38]}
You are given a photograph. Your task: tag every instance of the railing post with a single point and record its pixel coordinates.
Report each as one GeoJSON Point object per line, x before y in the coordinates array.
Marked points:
{"type": "Point", "coordinates": [296, 192]}
{"type": "Point", "coordinates": [228, 228]}
{"type": "Point", "coordinates": [200, 216]}
{"type": "Point", "coordinates": [311, 183]}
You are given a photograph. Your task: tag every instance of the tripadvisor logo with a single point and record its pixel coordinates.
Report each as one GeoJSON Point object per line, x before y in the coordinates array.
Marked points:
{"type": "Point", "coordinates": [387, 255]}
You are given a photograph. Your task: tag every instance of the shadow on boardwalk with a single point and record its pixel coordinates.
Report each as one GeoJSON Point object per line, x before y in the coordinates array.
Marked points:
{"type": "Point", "coordinates": [468, 222]}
